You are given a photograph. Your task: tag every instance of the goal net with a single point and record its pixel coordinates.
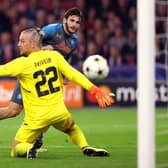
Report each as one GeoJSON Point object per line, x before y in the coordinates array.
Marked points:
{"type": "Point", "coordinates": [161, 39]}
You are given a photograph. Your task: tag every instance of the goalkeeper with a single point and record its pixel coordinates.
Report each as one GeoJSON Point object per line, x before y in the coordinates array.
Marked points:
{"type": "Point", "coordinates": [40, 77]}
{"type": "Point", "coordinates": [60, 37]}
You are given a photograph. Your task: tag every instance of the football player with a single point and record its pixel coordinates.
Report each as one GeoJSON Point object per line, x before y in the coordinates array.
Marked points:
{"type": "Point", "coordinates": [40, 76]}
{"type": "Point", "coordinates": [59, 37]}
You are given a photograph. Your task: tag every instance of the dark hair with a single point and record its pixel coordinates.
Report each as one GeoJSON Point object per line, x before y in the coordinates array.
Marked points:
{"type": "Point", "coordinates": [73, 11]}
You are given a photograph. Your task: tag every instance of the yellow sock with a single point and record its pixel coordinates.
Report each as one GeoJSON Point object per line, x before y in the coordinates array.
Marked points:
{"type": "Point", "coordinates": [77, 136]}
{"type": "Point", "coordinates": [20, 150]}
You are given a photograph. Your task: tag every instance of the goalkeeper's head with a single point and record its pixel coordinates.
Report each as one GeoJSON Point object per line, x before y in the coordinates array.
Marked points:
{"type": "Point", "coordinates": [30, 40]}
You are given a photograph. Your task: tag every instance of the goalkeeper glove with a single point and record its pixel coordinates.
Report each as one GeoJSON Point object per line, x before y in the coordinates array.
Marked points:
{"type": "Point", "coordinates": [104, 99]}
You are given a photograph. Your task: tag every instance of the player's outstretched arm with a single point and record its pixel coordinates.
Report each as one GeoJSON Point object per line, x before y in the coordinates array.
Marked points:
{"type": "Point", "coordinates": [12, 110]}
{"type": "Point", "coordinates": [104, 99]}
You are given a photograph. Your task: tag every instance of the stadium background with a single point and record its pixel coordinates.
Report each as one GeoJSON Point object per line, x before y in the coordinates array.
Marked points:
{"type": "Point", "coordinates": [106, 28]}
{"type": "Point", "coordinates": [109, 29]}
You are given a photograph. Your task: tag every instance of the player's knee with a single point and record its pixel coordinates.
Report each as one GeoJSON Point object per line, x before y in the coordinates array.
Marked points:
{"type": "Point", "coordinates": [15, 142]}
{"type": "Point", "coordinates": [20, 149]}
{"type": "Point", "coordinates": [70, 128]}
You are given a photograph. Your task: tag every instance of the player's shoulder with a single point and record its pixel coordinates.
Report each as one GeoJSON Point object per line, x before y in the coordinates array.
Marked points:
{"type": "Point", "coordinates": [51, 29]}
{"type": "Point", "coordinates": [53, 26]}
{"type": "Point", "coordinates": [47, 55]}
{"type": "Point", "coordinates": [21, 58]}
{"type": "Point", "coordinates": [75, 38]}
{"type": "Point", "coordinates": [19, 61]}
{"type": "Point", "coordinates": [50, 52]}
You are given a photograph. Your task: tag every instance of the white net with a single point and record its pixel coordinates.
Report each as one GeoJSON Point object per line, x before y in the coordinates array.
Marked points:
{"type": "Point", "coordinates": [162, 36]}
{"type": "Point", "coordinates": [162, 43]}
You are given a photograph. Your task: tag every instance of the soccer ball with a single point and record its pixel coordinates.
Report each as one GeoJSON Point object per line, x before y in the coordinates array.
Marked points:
{"type": "Point", "coordinates": [95, 67]}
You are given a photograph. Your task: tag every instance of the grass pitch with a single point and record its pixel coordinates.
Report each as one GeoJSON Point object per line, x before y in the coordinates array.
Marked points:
{"type": "Point", "coordinates": [114, 129]}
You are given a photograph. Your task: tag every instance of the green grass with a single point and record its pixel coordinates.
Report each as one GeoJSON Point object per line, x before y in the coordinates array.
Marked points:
{"type": "Point", "coordinates": [114, 129]}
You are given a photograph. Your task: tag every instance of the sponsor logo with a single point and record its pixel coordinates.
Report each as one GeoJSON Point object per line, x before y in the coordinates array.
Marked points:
{"type": "Point", "coordinates": [5, 94]}
{"type": "Point", "coordinates": [73, 95]}
{"type": "Point", "coordinates": [6, 90]}
{"type": "Point", "coordinates": [130, 94]}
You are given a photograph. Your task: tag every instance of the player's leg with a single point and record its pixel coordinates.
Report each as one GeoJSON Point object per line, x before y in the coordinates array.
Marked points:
{"type": "Point", "coordinates": [74, 132]}
{"type": "Point", "coordinates": [91, 151]}
{"type": "Point", "coordinates": [19, 149]}
{"type": "Point", "coordinates": [36, 147]}
{"type": "Point", "coordinates": [23, 144]}
{"type": "Point", "coordinates": [68, 126]}
{"type": "Point", "coordinates": [65, 123]}
{"type": "Point", "coordinates": [16, 106]}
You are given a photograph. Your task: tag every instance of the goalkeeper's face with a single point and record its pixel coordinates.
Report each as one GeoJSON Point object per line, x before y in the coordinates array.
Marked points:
{"type": "Point", "coordinates": [25, 44]}
{"type": "Point", "coordinates": [71, 24]}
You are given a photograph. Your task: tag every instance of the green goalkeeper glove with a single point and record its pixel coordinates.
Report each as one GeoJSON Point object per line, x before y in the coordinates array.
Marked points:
{"type": "Point", "coordinates": [104, 99]}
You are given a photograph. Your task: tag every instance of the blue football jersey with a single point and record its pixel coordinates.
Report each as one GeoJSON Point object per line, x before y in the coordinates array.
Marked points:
{"type": "Point", "coordinates": [55, 35]}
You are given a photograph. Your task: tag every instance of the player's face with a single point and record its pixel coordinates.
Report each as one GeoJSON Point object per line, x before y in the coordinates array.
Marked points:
{"type": "Point", "coordinates": [71, 24]}
{"type": "Point", "coordinates": [24, 43]}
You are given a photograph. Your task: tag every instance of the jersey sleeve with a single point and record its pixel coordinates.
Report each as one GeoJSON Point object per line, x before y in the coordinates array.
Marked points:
{"type": "Point", "coordinates": [13, 68]}
{"type": "Point", "coordinates": [73, 75]}
{"type": "Point", "coordinates": [49, 30]}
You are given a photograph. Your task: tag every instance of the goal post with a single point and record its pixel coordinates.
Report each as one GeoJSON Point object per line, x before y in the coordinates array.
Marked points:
{"type": "Point", "coordinates": [146, 83]}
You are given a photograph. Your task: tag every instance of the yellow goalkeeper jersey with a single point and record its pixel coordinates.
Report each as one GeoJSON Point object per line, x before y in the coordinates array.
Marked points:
{"type": "Point", "coordinates": [40, 77]}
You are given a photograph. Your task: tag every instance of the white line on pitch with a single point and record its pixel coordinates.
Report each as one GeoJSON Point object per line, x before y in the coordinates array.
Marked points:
{"type": "Point", "coordinates": [164, 132]}
{"type": "Point", "coordinates": [62, 146]}
{"type": "Point", "coordinates": [162, 149]}
{"type": "Point", "coordinates": [162, 165]}
{"type": "Point", "coordinates": [162, 115]}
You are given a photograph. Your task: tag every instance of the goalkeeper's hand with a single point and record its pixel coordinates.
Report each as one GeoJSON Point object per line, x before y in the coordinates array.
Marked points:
{"type": "Point", "coordinates": [104, 99]}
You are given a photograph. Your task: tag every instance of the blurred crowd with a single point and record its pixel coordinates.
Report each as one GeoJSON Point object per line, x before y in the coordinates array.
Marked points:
{"type": "Point", "coordinates": [109, 27]}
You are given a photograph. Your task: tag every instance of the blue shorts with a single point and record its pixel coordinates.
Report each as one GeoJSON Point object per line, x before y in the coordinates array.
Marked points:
{"type": "Point", "coordinates": [16, 96]}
